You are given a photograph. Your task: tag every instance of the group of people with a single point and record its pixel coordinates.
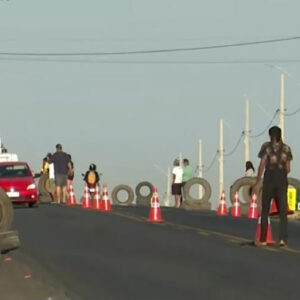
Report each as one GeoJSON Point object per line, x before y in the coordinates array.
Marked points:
{"type": "Point", "coordinates": [60, 169]}
{"type": "Point", "coordinates": [275, 157]}
{"type": "Point", "coordinates": [180, 175]}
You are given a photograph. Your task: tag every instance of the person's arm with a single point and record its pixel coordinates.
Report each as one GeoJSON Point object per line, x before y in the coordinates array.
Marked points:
{"type": "Point", "coordinates": [69, 166]}
{"type": "Point", "coordinates": [261, 168]}
{"type": "Point", "coordinates": [288, 167]}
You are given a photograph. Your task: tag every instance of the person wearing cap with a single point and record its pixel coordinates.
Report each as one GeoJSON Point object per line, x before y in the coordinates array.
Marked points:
{"type": "Point", "coordinates": [62, 167]}
{"type": "Point", "coordinates": [177, 173]}
{"type": "Point", "coordinates": [275, 158]}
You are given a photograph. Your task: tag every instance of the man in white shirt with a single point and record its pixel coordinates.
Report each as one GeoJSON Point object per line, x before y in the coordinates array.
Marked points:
{"type": "Point", "coordinates": [177, 182]}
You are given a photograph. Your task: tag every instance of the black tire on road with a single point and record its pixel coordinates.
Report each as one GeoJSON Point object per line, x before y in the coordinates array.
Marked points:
{"type": "Point", "coordinates": [141, 199]}
{"type": "Point", "coordinates": [127, 189]}
{"type": "Point", "coordinates": [196, 203]}
{"type": "Point", "coordinates": [9, 240]}
{"type": "Point", "coordinates": [294, 183]}
{"type": "Point", "coordinates": [245, 184]}
{"type": "Point", "coordinates": [6, 212]}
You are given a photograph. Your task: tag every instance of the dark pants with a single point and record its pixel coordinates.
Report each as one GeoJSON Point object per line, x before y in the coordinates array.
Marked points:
{"type": "Point", "coordinates": [276, 190]}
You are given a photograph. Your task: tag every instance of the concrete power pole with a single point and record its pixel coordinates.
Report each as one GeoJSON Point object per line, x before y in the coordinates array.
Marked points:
{"type": "Point", "coordinates": [168, 191]}
{"type": "Point", "coordinates": [200, 190]}
{"type": "Point", "coordinates": [246, 139]}
{"type": "Point", "coordinates": [281, 111]}
{"type": "Point", "coordinates": [221, 160]}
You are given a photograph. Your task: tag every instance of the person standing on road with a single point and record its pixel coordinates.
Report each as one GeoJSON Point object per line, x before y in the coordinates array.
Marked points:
{"type": "Point", "coordinates": [177, 182]}
{"type": "Point", "coordinates": [70, 174]}
{"type": "Point", "coordinates": [250, 171]}
{"type": "Point", "coordinates": [275, 160]}
{"type": "Point", "coordinates": [188, 174]}
{"type": "Point", "coordinates": [62, 165]}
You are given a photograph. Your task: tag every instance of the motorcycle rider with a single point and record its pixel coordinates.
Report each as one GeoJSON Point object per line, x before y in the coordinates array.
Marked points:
{"type": "Point", "coordinates": [91, 176]}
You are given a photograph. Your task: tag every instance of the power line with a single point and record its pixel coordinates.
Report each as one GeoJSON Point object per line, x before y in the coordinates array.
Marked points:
{"type": "Point", "coordinates": [269, 124]}
{"type": "Point", "coordinates": [292, 113]}
{"type": "Point", "coordinates": [236, 145]}
{"type": "Point", "coordinates": [147, 62]}
{"type": "Point", "coordinates": [185, 49]}
{"type": "Point", "coordinates": [212, 162]}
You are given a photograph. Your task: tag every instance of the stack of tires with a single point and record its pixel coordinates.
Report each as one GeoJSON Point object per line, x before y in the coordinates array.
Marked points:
{"type": "Point", "coordinates": [9, 239]}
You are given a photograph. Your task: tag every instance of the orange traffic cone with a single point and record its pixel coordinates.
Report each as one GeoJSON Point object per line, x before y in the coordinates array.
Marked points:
{"type": "Point", "coordinates": [269, 238]}
{"type": "Point", "coordinates": [236, 208]}
{"type": "Point", "coordinates": [222, 209]}
{"type": "Point", "coordinates": [86, 202]}
{"type": "Point", "coordinates": [72, 198]}
{"type": "Point", "coordinates": [97, 199]}
{"type": "Point", "coordinates": [155, 213]}
{"type": "Point", "coordinates": [252, 212]}
{"type": "Point", "coordinates": [105, 204]}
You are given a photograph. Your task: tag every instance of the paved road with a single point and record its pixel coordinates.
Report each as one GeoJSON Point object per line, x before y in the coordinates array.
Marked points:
{"type": "Point", "coordinates": [193, 255]}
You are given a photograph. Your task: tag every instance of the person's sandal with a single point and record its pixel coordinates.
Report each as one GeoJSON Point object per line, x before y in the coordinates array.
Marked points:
{"type": "Point", "coordinates": [282, 244]}
{"type": "Point", "coordinates": [260, 244]}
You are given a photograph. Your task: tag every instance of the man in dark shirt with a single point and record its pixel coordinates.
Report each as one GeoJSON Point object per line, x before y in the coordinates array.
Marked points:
{"type": "Point", "coordinates": [62, 165]}
{"type": "Point", "coordinates": [275, 160]}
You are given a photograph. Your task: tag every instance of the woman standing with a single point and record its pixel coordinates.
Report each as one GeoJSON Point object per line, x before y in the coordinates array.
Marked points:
{"type": "Point", "coordinates": [275, 160]}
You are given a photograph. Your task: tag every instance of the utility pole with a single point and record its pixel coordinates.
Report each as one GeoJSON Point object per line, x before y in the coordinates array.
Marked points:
{"type": "Point", "coordinates": [200, 190]}
{"type": "Point", "coordinates": [221, 160]}
{"type": "Point", "coordinates": [246, 133]}
{"type": "Point", "coordinates": [281, 110]}
{"type": "Point", "coordinates": [168, 191]}
{"type": "Point", "coordinates": [180, 159]}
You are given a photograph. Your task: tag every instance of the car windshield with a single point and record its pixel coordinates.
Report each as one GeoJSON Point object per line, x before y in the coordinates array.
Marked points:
{"type": "Point", "coordinates": [14, 171]}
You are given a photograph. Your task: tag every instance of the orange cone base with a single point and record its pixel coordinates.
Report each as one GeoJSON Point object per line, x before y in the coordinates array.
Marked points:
{"type": "Point", "coordinates": [71, 202]}
{"type": "Point", "coordinates": [252, 213]}
{"type": "Point", "coordinates": [222, 210]}
{"type": "Point", "coordinates": [155, 216]}
{"type": "Point", "coordinates": [97, 204]}
{"type": "Point", "coordinates": [105, 206]}
{"type": "Point", "coordinates": [86, 204]}
{"type": "Point", "coordinates": [269, 239]}
{"type": "Point", "coordinates": [236, 213]}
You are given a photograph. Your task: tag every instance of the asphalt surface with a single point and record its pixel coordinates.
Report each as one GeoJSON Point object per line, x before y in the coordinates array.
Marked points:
{"type": "Point", "coordinates": [120, 255]}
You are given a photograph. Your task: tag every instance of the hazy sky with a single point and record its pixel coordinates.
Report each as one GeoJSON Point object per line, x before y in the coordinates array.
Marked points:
{"type": "Point", "coordinates": [127, 113]}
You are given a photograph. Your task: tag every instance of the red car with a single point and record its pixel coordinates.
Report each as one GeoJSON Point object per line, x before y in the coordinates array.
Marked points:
{"type": "Point", "coordinates": [17, 180]}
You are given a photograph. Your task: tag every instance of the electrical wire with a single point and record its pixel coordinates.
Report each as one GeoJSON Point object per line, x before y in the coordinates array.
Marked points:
{"type": "Point", "coordinates": [134, 52]}
{"type": "Point", "coordinates": [149, 62]}
{"type": "Point", "coordinates": [270, 123]}
{"type": "Point", "coordinates": [212, 162]}
{"type": "Point", "coordinates": [236, 145]}
{"type": "Point", "coordinates": [292, 113]}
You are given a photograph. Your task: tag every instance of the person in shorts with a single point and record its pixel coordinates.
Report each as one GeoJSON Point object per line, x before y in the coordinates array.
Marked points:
{"type": "Point", "coordinates": [62, 166]}
{"type": "Point", "coordinates": [177, 173]}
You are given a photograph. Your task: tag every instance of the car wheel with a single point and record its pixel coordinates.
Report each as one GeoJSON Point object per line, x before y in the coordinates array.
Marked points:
{"type": "Point", "coordinates": [6, 211]}
{"type": "Point", "coordinates": [35, 204]}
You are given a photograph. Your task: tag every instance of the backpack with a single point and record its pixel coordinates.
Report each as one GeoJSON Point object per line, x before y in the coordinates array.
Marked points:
{"type": "Point", "coordinates": [91, 177]}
